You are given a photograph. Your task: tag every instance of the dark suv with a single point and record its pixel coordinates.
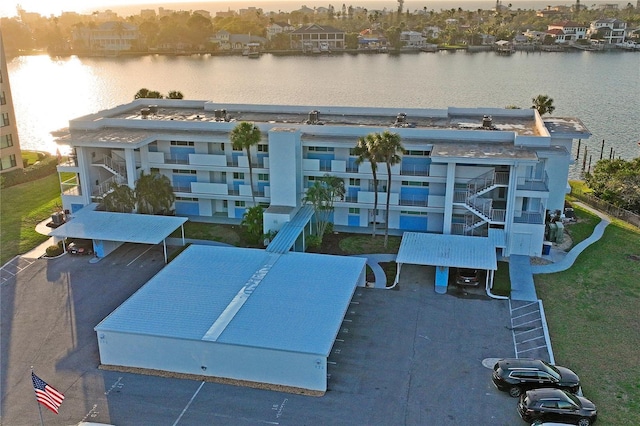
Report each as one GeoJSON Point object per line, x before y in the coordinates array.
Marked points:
{"type": "Point", "coordinates": [465, 276]}
{"type": "Point", "coordinates": [556, 405]}
{"type": "Point", "coordinates": [519, 375]}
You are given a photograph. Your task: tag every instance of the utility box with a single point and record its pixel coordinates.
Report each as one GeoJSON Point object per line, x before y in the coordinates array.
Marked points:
{"type": "Point", "coordinates": [546, 248]}
{"type": "Point", "coordinates": [553, 229]}
{"type": "Point", "coordinates": [559, 233]}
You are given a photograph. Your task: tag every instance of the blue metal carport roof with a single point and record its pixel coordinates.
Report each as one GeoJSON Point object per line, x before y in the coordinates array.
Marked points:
{"type": "Point", "coordinates": [290, 302]}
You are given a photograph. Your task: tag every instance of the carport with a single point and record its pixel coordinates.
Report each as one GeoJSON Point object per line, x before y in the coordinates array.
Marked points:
{"type": "Point", "coordinates": [242, 315]}
{"type": "Point", "coordinates": [447, 251]}
{"type": "Point", "coordinates": [110, 230]}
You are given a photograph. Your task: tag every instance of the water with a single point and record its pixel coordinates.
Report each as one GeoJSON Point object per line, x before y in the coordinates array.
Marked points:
{"type": "Point", "coordinates": [601, 88]}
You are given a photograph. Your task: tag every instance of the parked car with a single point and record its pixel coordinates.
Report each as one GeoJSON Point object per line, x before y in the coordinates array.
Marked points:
{"type": "Point", "coordinates": [81, 247]}
{"type": "Point", "coordinates": [469, 277]}
{"type": "Point", "coordinates": [556, 405]}
{"type": "Point", "coordinates": [517, 375]}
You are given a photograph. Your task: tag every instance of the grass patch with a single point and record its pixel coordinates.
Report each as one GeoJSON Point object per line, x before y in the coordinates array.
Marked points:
{"type": "Point", "coordinates": [501, 280]}
{"type": "Point", "coordinates": [228, 234]}
{"type": "Point", "coordinates": [22, 207]}
{"type": "Point", "coordinates": [584, 226]}
{"type": "Point", "coordinates": [592, 311]}
{"type": "Point", "coordinates": [365, 244]}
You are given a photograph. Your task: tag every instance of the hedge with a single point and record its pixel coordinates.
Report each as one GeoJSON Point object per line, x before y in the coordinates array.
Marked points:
{"type": "Point", "coordinates": [42, 168]}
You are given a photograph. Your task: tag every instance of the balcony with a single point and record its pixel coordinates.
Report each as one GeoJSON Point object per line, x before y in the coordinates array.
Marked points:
{"type": "Point", "coordinates": [413, 201]}
{"type": "Point", "coordinates": [414, 170]}
{"type": "Point", "coordinates": [534, 184]}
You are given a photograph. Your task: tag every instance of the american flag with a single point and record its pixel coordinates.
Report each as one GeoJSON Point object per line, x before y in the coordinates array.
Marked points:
{"type": "Point", "coordinates": [46, 395]}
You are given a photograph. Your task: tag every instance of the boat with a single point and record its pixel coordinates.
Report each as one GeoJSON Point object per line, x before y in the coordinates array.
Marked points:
{"type": "Point", "coordinates": [629, 45]}
{"type": "Point", "coordinates": [252, 50]}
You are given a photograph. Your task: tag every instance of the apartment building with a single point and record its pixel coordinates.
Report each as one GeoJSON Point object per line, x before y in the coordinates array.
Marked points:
{"type": "Point", "coordinates": [464, 171]}
{"type": "Point", "coordinates": [10, 154]}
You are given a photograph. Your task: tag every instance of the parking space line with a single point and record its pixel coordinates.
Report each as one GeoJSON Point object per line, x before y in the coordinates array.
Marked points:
{"type": "Point", "coordinates": [523, 306]}
{"type": "Point", "coordinates": [532, 339]}
{"type": "Point", "coordinates": [528, 331]}
{"type": "Point", "coordinates": [188, 404]}
{"type": "Point", "coordinates": [525, 323]}
{"type": "Point", "coordinates": [532, 349]}
{"type": "Point", "coordinates": [524, 315]}
{"type": "Point", "coordinates": [141, 254]}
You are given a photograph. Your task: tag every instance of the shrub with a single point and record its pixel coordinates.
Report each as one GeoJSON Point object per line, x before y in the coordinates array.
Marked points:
{"type": "Point", "coordinates": [53, 251]}
{"type": "Point", "coordinates": [45, 167]}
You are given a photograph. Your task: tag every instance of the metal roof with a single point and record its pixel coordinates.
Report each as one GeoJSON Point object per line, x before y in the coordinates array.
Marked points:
{"type": "Point", "coordinates": [447, 250]}
{"type": "Point", "coordinates": [249, 297]}
{"type": "Point", "coordinates": [290, 231]}
{"type": "Point", "coordinates": [127, 227]}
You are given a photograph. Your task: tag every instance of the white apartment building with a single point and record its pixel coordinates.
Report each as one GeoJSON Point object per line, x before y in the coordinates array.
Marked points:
{"type": "Point", "coordinates": [464, 171]}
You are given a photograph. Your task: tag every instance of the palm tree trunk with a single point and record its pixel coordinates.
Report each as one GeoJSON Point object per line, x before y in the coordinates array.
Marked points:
{"type": "Point", "coordinates": [386, 212]}
{"type": "Point", "coordinates": [253, 198]}
{"type": "Point", "coordinates": [375, 201]}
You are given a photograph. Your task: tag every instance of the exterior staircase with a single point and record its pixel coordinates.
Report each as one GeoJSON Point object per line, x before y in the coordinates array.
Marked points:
{"type": "Point", "coordinates": [118, 172]}
{"type": "Point", "coordinates": [482, 208]}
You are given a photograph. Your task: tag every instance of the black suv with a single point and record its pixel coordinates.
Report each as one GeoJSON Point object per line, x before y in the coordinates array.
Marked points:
{"type": "Point", "coordinates": [556, 405]}
{"type": "Point", "coordinates": [519, 375]}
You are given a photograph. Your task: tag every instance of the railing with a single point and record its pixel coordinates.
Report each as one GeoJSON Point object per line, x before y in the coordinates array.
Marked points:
{"type": "Point", "coordinates": [105, 186]}
{"type": "Point", "coordinates": [414, 171]}
{"type": "Point", "coordinates": [181, 188]}
{"type": "Point", "coordinates": [352, 169]}
{"type": "Point", "coordinates": [351, 199]}
{"type": "Point", "coordinates": [71, 187]}
{"type": "Point", "coordinates": [117, 167]}
{"type": "Point", "coordinates": [536, 184]}
{"type": "Point", "coordinates": [413, 201]}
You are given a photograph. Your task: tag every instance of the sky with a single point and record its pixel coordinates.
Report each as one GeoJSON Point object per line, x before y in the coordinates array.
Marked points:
{"type": "Point", "coordinates": [48, 7]}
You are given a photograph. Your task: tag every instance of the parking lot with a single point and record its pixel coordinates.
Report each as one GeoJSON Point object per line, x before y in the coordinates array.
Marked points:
{"type": "Point", "coordinates": [402, 357]}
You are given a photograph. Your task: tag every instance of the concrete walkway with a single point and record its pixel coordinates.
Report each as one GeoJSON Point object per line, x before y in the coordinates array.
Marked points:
{"type": "Point", "coordinates": [521, 271]}
{"type": "Point", "coordinates": [373, 261]}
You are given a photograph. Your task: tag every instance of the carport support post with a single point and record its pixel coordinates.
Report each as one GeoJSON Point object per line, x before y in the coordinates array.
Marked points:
{"type": "Point", "coordinates": [398, 266]}
{"type": "Point", "coordinates": [442, 279]}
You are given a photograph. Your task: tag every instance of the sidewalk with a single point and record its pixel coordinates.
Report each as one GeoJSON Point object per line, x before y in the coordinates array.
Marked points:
{"type": "Point", "coordinates": [521, 271]}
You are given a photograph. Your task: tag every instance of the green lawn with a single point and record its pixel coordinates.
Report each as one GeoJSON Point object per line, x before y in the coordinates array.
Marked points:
{"type": "Point", "coordinates": [594, 322]}
{"type": "Point", "coordinates": [21, 208]}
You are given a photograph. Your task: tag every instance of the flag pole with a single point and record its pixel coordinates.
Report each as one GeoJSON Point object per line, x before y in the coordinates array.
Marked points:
{"type": "Point", "coordinates": [39, 408]}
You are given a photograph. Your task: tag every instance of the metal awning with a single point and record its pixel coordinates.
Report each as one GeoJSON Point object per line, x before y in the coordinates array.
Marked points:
{"type": "Point", "coordinates": [121, 227]}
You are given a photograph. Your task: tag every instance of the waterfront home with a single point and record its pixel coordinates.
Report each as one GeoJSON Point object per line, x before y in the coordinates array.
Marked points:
{"type": "Point", "coordinates": [313, 37]}
{"type": "Point", "coordinates": [412, 40]}
{"type": "Point", "coordinates": [567, 31]}
{"type": "Point", "coordinates": [108, 37]}
{"type": "Point", "coordinates": [611, 30]}
{"type": "Point", "coordinates": [279, 28]}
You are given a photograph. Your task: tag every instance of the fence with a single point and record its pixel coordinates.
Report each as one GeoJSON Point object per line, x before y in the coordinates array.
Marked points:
{"type": "Point", "coordinates": [606, 207]}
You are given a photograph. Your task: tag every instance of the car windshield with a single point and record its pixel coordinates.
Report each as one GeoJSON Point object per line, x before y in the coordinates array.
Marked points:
{"type": "Point", "coordinates": [551, 370]}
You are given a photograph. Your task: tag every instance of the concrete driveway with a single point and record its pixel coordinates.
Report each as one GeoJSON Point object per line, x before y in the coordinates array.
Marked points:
{"type": "Point", "coordinates": [403, 357]}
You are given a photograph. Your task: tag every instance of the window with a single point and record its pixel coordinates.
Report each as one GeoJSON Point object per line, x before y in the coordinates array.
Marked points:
{"type": "Point", "coordinates": [264, 177]}
{"type": "Point", "coordinates": [181, 143]}
{"type": "Point", "coordinates": [238, 175]}
{"type": "Point", "coordinates": [354, 210]}
{"type": "Point", "coordinates": [240, 203]}
{"type": "Point", "coordinates": [354, 182]}
{"type": "Point", "coordinates": [411, 213]}
{"type": "Point", "coordinates": [5, 119]}
{"type": "Point", "coordinates": [6, 141]}
{"type": "Point", "coordinates": [3, 98]}
{"type": "Point", "coordinates": [263, 148]}
{"type": "Point", "coordinates": [417, 153]}
{"type": "Point", "coordinates": [184, 172]}
{"type": "Point", "coordinates": [412, 183]}
{"type": "Point", "coordinates": [186, 199]}
{"type": "Point", "coordinates": [321, 148]}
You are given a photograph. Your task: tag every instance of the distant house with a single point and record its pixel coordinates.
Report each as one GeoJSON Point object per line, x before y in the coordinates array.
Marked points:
{"type": "Point", "coordinates": [115, 36]}
{"type": "Point", "coordinates": [567, 31]}
{"type": "Point", "coordinates": [279, 28]}
{"type": "Point", "coordinates": [536, 36]}
{"type": "Point", "coordinates": [412, 40]}
{"type": "Point", "coordinates": [204, 13]}
{"type": "Point", "coordinates": [371, 39]}
{"type": "Point", "coordinates": [316, 36]}
{"type": "Point", "coordinates": [235, 42]}
{"type": "Point", "coordinates": [431, 31]}
{"type": "Point", "coordinates": [612, 30]}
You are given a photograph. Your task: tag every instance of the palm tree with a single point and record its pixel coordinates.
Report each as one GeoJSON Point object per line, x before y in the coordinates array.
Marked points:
{"type": "Point", "coordinates": [174, 94]}
{"type": "Point", "coordinates": [120, 199]}
{"type": "Point", "coordinates": [244, 136]}
{"type": "Point", "coordinates": [388, 151]}
{"type": "Point", "coordinates": [322, 196]}
{"type": "Point", "coordinates": [154, 193]}
{"type": "Point", "coordinates": [544, 104]}
{"type": "Point", "coordinates": [365, 150]}
{"type": "Point", "coordinates": [146, 93]}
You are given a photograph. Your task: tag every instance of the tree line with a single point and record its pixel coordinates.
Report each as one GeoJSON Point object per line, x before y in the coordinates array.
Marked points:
{"type": "Point", "coordinates": [26, 32]}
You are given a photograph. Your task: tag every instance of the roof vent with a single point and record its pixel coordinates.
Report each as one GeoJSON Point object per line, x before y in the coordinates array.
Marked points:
{"type": "Point", "coordinates": [401, 118]}
{"type": "Point", "coordinates": [153, 109]}
{"type": "Point", "coordinates": [144, 112]}
{"type": "Point", "coordinates": [220, 114]}
{"type": "Point", "coordinates": [487, 122]}
{"type": "Point", "coordinates": [314, 116]}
